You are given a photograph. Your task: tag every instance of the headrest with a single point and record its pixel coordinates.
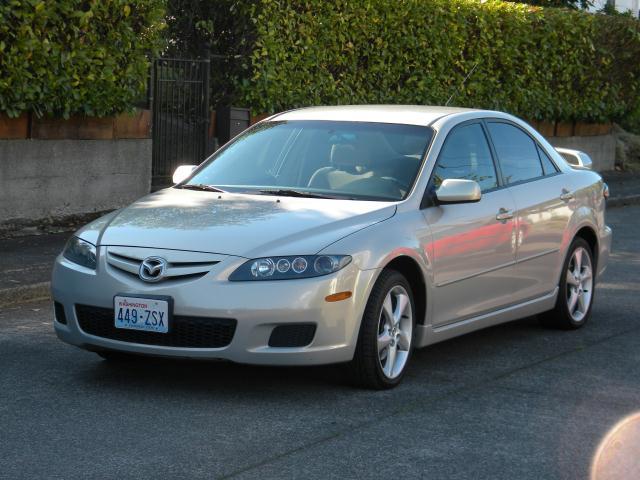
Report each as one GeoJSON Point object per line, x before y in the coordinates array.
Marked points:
{"type": "Point", "coordinates": [344, 156]}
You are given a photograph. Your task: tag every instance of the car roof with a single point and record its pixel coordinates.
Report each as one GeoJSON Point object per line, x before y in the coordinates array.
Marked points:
{"type": "Point", "coordinates": [402, 114]}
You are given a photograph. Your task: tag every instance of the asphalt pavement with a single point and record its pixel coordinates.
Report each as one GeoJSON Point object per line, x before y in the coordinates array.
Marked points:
{"type": "Point", "coordinates": [623, 185]}
{"type": "Point", "coordinates": [510, 402]}
{"type": "Point", "coordinates": [29, 259]}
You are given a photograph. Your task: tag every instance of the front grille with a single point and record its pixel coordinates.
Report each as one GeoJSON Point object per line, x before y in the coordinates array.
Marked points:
{"type": "Point", "coordinates": [293, 335]}
{"type": "Point", "coordinates": [188, 332]}
{"type": "Point", "coordinates": [176, 270]}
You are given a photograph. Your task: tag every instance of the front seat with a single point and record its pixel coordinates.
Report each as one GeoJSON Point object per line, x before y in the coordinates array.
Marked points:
{"type": "Point", "coordinates": [343, 169]}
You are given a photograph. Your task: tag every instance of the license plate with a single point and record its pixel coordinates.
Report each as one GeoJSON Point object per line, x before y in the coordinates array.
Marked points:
{"type": "Point", "coordinates": [147, 314]}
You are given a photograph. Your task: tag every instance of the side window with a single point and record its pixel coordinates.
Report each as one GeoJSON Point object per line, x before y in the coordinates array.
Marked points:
{"type": "Point", "coordinates": [547, 165]}
{"type": "Point", "coordinates": [517, 153]}
{"type": "Point", "coordinates": [466, 155]}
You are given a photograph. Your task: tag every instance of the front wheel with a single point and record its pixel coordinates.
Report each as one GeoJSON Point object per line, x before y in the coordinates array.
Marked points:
{"type": "Point", "coordinates": [575, 295]}
{"type": "Point", "coordinates": [385, 341]}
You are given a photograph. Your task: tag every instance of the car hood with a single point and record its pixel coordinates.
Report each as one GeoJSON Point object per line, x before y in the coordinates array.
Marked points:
{"type": "Point", "coordinates": [235, 224]}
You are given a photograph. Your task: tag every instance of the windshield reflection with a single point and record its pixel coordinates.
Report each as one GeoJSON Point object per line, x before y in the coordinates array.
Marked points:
{"type": "Point", "coordinates": [348, 160]}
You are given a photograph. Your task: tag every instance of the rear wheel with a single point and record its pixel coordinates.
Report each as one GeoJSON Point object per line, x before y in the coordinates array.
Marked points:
{"type": "Point", "coordinates": [385, 341]}
{"type": "Point", "coordinates": [575, 295]}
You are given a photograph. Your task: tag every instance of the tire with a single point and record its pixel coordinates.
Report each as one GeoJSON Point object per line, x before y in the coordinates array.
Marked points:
{"type": "Point", "coordinates": [390, 305]}
{"type": "Point", "coordinates": [576, 288]}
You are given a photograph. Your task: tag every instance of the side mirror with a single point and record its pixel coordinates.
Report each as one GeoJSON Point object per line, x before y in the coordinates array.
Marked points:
{"type": "Point", "coordinates": [182, 172]}
{"type": "Point", "coordinates": [576, 158]}
{"type": "Point", "coordinates": [454, 190]}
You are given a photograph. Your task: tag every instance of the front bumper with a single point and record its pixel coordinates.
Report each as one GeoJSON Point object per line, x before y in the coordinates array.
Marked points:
{"type": "Point", "coordinates": [605, 250]}
{"type": "Point", "coordinates": [258, 307]}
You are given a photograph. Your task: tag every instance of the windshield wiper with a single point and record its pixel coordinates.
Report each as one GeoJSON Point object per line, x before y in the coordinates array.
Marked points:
{"type": "Point", "coordinates": [201, 186]}
{"type": "Point", "coordinates": [286, 192]}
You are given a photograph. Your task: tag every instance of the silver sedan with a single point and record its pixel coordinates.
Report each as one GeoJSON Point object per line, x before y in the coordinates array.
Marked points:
{"type": "Point", "coordinates": [342, 235]}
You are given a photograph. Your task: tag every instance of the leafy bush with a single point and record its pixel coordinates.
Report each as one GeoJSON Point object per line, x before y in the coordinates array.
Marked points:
{"type": "Point", "coordinates": [558, 3]}
{"type": "Point", "coordinates": [76, 56]}
{"type": "Point", "coordinates": [539, 63]}
{"type": "Point", "coordinates": [618, 40]}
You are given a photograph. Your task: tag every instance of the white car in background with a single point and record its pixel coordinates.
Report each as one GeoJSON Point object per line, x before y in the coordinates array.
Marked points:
{"type": "Point", "coordinates": [341, 234]}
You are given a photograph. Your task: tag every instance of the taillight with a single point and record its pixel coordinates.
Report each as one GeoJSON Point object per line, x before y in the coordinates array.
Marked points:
{"type": "Point", "coordinates": [605, 190]}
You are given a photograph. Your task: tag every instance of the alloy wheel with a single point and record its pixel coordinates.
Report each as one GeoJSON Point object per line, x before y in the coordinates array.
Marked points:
{"type": "Point", "coordinates": [395, 328]}
{"type": "Point", "coordinates": [579, 284]}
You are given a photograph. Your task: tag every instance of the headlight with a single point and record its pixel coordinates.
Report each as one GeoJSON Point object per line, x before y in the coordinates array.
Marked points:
{"type": "Point", "coordinates": [80, 252]}
{"type": "Point", "coordinates": [286, 268]}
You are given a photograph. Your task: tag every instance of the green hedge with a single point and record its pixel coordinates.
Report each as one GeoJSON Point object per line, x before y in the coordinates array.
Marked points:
{"type": "Point", "coordinates": [76, 56]}
{"type": "Point", "coordinates": [542, 64]}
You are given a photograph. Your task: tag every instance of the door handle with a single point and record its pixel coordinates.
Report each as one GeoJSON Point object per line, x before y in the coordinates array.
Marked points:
{"type": "Point", "coordinates": [566, 195]}
{"type": "Point", "coordinates": [504, 215]}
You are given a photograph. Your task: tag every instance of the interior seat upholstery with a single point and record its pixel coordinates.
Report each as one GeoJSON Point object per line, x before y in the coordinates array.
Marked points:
{"type": "Point", "coordinates": [343, 169]}
{"type": "Point", "coordinates": [349, 173]}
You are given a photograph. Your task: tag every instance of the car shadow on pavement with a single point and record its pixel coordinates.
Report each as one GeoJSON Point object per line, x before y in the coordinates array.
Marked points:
{"type": "Point", "coordinates": [215, 377]}
{"type": "Point", "coordinates": [487, 350]}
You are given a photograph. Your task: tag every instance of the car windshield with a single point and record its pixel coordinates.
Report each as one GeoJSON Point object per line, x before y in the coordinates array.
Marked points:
{"type": "Point", "coordinates": [321, 159]}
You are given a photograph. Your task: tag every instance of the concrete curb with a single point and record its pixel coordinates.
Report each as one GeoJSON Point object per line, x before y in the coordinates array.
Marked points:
{"type": "Point", "coordinates": [25, 293]}
{"type": "Point", "coordinates": [615, 202]}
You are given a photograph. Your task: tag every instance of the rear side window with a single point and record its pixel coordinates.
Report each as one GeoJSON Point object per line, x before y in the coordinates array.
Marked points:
{"type": "Point", "coordinates": [466, 155]}
{"type": "Point", "coordinates": [517, 153]}
{"type": "Point", "coordinates": [548, 166]}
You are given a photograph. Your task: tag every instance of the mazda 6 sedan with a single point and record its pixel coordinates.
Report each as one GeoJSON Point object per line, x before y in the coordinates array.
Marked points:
{"type": "Point", "coordinates": [347, 235]}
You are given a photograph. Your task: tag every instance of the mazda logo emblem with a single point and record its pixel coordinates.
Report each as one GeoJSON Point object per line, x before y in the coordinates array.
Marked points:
{"type": "Point", "coordinates": [152, 269]}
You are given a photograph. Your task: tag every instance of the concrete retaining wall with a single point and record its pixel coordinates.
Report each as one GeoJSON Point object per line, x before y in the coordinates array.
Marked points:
{"type": "Point", "coordinates": [56, 178]}
{"type": "Point", "coordinates": [601, 149]}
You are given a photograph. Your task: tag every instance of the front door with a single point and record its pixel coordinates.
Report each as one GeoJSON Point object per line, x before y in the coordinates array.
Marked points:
{"type": "Point", "coordinates": [473, 244]}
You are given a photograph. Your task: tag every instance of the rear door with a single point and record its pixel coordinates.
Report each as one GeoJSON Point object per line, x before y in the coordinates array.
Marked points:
{"type": "Point", "coordinates": [543, 207]}
{"type": "Point", "coordinates": [473, 243]}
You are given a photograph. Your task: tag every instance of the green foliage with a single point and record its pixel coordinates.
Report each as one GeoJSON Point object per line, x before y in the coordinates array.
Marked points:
{"type": "Point", "coordinates": [543, 64]}
{"type": "Point", "coordinates": [618, 41]}
{"type": "Point", "coordinates": [76, 56]}
{"type": "Point", "coordinates": [558, 3]}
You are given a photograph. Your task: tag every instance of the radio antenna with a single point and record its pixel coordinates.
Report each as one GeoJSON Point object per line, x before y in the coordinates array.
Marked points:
{"type": "Point", "coordinates": [463, 82]}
